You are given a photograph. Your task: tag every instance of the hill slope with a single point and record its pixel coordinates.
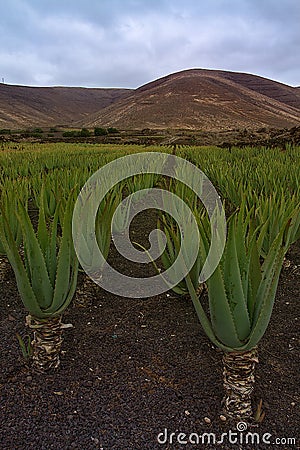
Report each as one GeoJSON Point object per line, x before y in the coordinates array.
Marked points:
{"type": "Point", "coordinates": [192, 99]}
{"type": "Point", "coordinates": [204, 99]}
{"type": "Point", "coordinates": [22, 106]}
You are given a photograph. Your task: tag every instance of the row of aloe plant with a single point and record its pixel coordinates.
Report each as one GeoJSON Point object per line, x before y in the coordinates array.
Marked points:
{"type": "Point", "coordinates": [241, 291]}
{"type": "Point", "coordinates": [254, 169]}
{"type": "Point", "coordinates": [44, 260]}
{"type": "Point", "coordinates": [45, 264]}
{"type": "Point", "coordinates": [45, 271]}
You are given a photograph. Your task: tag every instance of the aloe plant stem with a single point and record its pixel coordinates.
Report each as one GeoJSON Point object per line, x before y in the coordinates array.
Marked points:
{"type": "Point", "coordinates": [239, 382]}
{"type": "Point", "coordinates": [47, 341]}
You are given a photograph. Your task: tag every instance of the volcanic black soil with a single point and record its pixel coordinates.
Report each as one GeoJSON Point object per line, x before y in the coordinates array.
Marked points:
{"type": "Point", "coordinates": [133, 368]}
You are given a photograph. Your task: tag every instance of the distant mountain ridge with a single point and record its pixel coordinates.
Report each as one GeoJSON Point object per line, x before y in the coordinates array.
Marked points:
{"type": "Point", "coordinates": [207, 100]}
{"type": "Point", "coordinates": [199, 99]}
{"type": "Point", "coordinates": [22, 106]}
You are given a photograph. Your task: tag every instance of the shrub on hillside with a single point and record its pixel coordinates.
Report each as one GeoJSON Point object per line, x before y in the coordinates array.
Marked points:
{"type": "Point", "coordinates": [100, 131]}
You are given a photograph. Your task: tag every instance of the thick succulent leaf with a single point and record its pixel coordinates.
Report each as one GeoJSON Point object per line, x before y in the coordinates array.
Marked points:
{"type": "Point", "coordinates": [39, 277]}
{"type": "Point", "coordinates": [221, 316]}
{"type": "Point", "coordinates": [293, 231]}
{"type": "Point", "coordinates": [254, 277]}
{"type": "Point", "coordinates": [269, 270]}
{"type": "Point", "coordinates": [42, 231]}
{"type": "Point", "coordinates": [172, 240]}
{"type": "Point", "coordinates": [51, 257]}
{"type": "Point", "coordinates": [203, 319]}
{"type": "Point", "coordinates": [205, 235]}
{"type": "Point", "coordinates": [168, 257]}
{"type": "Point", "coordinates": [171, 252]}
{"type": "Point", "coordinates": [54, 310]}
{"type": "Point", "coordinates": [233, 284]}
{"type": "Point", "coordinates": [243, 232]}
{"type": "Point", "coordinates": [65, 254]}
{"type": "Point", "coordinates": [195, 271]}
{"type": "Point", "coordinates": [269, 293]}
{"type": "Point", "coordinates": [51, 201]}
{"type": "Point", "coordinates": [8, 203]}
{"type": "Point", "coordinates": [85, 243]}
{"type": "Point", "coordinates": [102, 230]}
{"type": "Point", "coordinates": [262, 237]}
{"type": "Point", "coordinates": [167, 262]}
{"type": "Point", "coordinates": [26, 292]}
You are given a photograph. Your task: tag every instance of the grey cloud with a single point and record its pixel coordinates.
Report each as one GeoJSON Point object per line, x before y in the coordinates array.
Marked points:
{"type": "Point", "coordinates": [130, 42]}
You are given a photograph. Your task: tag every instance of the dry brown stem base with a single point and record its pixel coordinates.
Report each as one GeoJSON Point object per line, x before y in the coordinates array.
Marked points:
{"type": "Point", "coordinates": [239, 382]}
{"type": "Point", "coordinates": [47, 341]}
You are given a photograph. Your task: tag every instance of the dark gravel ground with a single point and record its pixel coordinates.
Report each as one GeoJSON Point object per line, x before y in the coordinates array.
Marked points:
{"type": "Point", "coordinates": [132, 368]}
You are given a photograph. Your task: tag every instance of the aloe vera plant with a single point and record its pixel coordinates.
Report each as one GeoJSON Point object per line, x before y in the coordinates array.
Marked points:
{"type": "Point", "coordinates": [241, 297]}
{"type": "Point", "coordinates": [241, 294]}
{"type": "Point", "coordinates": [102, 225]}
{"type": "Point", "coordinates": [46, 278]}
{"type": "Point", "coordinates": [8, 204]}
{"type": "Point", "coordinates": [272, 212]}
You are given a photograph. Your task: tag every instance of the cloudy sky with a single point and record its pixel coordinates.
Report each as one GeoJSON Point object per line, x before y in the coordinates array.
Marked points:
{"type": "Point", "coordinates": [126, 43]}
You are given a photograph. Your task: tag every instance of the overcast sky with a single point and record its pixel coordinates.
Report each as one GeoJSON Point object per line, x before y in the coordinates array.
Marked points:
{"type": "Point", "coordinates": [127, 43]}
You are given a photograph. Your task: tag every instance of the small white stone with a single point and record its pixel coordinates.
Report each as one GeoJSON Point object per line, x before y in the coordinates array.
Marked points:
{"type": "Point", "coordinates": [187, 413]}
{"type": "Point", "coordinates": [207, 420]}
{"type": "Point", "coordinates": [293, 404]}
{"type": "Point", "coordinates": [223, 418]}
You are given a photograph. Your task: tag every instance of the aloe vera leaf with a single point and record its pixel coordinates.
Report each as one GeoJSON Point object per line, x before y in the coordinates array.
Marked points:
{"type": "Point", "coordinates": [264, 314]}
{"type": "Point", "coordinates": [242, 224]}
{"type": "Point", "coordinates": [203, 319]}
{"type": "Point", "coordinates": [195, 271]}
{"type": "Point", "coordinates": [221, 316]}
{"type": "Point", "coordinates": [173, 249]}
{"type": "Point", "coordinates": [171, 243]}
{"type": "Point", "coordinates": [51, 257]}
{"type": "Point", "coordinates": [254, 277]}
{"type": "Point", "coordinates": [233, 285]}
{"type": "Point", "coordinates": [263, 235]}
{"type": "Point", "coordinates": [39, 279]}
{"type": "Point", "coordinates": [62, 281]}
{"type": "Point", "coordinates": [294, 226]}
{"type": "Point", "coordinates": [24, 287]}
{"type": "Point", "coordinates": [269, 270]}
{"type": "Point", "coordinates": [42, 232]}
{"type": "Point", "coordinates": [57, 310]}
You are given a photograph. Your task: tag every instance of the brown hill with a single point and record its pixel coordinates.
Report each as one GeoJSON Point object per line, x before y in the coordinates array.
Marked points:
{"type": "Point", "coordinates": [275, 90]}
{"type": "Point", "coordinates": [204, 99]}
{"type": "Point", "coordinates": [22, 106]}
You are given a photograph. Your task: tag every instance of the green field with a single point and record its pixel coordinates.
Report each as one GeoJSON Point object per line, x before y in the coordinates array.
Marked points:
{"type": "Point", "coordinates": [259, 189]}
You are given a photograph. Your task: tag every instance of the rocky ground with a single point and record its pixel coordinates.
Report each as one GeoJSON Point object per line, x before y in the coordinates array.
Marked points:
{"type": "Point", "coordinates": [133, 368]}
